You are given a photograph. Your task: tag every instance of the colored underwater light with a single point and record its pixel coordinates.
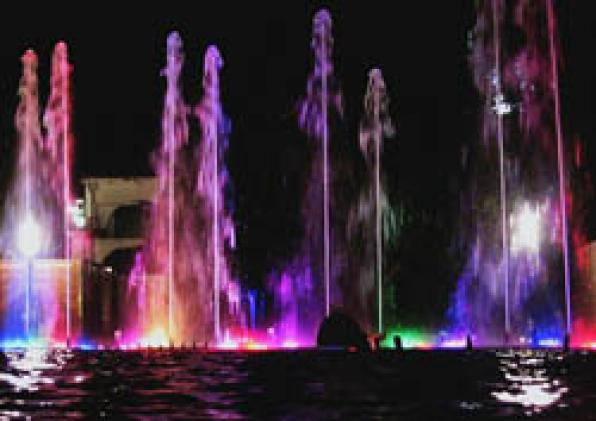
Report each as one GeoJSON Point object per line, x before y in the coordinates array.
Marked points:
{"type": "Point", "coordinates": [86, 346]}
{"type": "Point", "coordinates": [550, 343]}
{"type": "Point", "coordinates": [453, 343]}
{"type": "Point", "coordinates": [228, 344]}
{"type": "Point", "coordinates": [254, 345]}
{"type": "Point", "coordinates": [548, 336]}
{"type": "Point", "coordinates": [243, 344]}
{"type": "Point", "coordinates": [29, 236]}
{"type": "Point", "coordinates": [37, 342]}
{"type": "Point", "coordinates": [23, 343]}
{"type": "Point", "coordinates": [254, 340]}
{"type": "Point", "coordinates": [410, 338]}
{"type": "Point", "coordinates": [156, 337]}
{"type": "Point", "coordinates": [290, 344]}
{"type": "Point", "coordinates": [586, 343]}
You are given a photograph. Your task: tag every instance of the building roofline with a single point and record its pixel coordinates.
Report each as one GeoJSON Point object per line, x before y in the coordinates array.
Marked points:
{"type": "Point", "coordinates": [125, 178]}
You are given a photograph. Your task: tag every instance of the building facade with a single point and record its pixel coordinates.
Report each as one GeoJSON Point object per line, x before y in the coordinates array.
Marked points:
{"type": "Point", "coordinates": [115, 209]}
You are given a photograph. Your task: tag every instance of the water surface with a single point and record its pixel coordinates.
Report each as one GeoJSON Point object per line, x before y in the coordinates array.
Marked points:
{"type": "Point", "coordinates": [297, 385]}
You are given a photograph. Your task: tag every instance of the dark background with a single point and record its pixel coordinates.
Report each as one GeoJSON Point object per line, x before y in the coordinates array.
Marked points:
{"type": "Point", "coordinates": [421, 46]}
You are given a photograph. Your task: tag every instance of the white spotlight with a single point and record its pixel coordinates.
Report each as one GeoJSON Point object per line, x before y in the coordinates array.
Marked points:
{"type": "Point", "coordinates": [525, 230]}
{"type": "Point", "coordinates": [29, 236]}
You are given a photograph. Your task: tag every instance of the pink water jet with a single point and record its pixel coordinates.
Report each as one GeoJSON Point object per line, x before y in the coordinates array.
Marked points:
{"type": "Point", "coordinates": [44, 287]}
{"type": "Point", "coordinates": [182, 277]}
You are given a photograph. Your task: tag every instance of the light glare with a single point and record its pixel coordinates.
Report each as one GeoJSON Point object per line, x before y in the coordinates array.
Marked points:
{"type": "Point", "coordinates": [526, 230]}
{"type": "Point", "coordinates": [29, 237]}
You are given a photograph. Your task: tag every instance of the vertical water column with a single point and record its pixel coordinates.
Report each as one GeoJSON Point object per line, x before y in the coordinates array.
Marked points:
{"type": "Point", "coordinates": [560, 162]}
{"type": "Point", "coordinates": [378, 220]}
{"type": "Point", "coordinates": [213, 63]}
{"type": "Point", "coordinates": [314, 119]}
{"type": "Point", "coordinates": [30, 72]}
{"type": "Point", "coordinates": [57, 165]}
{"type": "Point", "coordinates": [57, 122]}
{"type": "Point", "coordinates": [512, 63]}
{"type": "Point", "coordinates": [323, 24]}
{"type": "Point", "coordinates": [27, 115]}
{"type": "Point", "coordinates": [29, 132]}
{"type": "Point", "coordinates": [182, 276]}
{"type": "Point", "coordinates": [211, 180]}
{"type": "Point", "coordinates": [61, 52]}
{"type": "Point", "coordinates": [170, 177]}
{"type": "Point", "coordinates": [375, 126]}
{"type": "Point", "coordinates": [174, 131]}
{"type": "Point", "coordinates": [29, 59]}
{"type": "Point", "coordinates": [209, 113]}
{"type": "Point", "coordinates": [501, 108]}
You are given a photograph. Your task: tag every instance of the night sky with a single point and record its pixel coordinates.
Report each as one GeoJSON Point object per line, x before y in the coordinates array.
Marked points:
{"type": "Point", "coordinates": [421, 47]}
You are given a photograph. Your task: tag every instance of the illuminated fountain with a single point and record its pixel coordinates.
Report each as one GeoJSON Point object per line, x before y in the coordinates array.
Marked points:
{"type": "Point", "coordinates": [314, 119]}
{"type": "Point", "coordinates": [41, 283]}
{"type": "Point", "coordinates": [59, 145]}
{"type": "Point", "coordinates": [514, 288]}
{"type": "Point", "coordinates": [338, 264]}
{"type": "Point", "coordinates": [515, 285]}
{"type": "Point", "coordinates": [212, 180]}
{"type": "Point", "coordinates": [306, 290]}
{"type": "Point", "coordinates": [182, 277]}
{"type": "Point", "coordinates": [365, 225]}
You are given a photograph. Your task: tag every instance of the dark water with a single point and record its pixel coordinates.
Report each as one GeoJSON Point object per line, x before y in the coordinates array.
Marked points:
{"type": "Point", "coordinates": [301, 385]}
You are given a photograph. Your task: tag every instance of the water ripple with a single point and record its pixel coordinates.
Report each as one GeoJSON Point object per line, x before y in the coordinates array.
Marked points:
{"type": "Point", "coordinates": [302, 385]}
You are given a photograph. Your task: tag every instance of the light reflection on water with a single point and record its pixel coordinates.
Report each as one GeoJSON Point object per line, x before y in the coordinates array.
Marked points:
{"type": "Point", "coordinates": [27, 368]}
{"type": "Point", "coordinates": [529, 381]}
{"type": "Point", "coordinates": [27, 371]}
{"type": "Point", "coordinates": [298, 385]}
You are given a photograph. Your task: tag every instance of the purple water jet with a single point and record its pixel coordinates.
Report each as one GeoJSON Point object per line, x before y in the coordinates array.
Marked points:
{"type": "Point", "coordinates": [305, 290]}
{"type": "Point", "coordinates": [212, 179]}
{"type": "Point", "coordinates": [314, 120]}
{"type": "Point", "coordinates": [182, 277]}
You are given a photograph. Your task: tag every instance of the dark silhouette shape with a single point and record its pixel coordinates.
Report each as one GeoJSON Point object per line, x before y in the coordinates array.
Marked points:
{"type": "Point", "coordinates": [469, 344]}
{"type": "Point", "coordinates": [567, 343]}
{"type": "Point", "coordinates": [340, 331]}
{"type": "Point", "coordinates": [398, 343]}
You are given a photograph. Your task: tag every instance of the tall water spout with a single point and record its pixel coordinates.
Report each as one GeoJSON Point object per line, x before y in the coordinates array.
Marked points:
{"type": "Point", "coordinates": [175, 132]}
{"type": "Point", "coordinates": [314, 119]}
{"type": "Point", "coordinates": [375, 126]}
{"type": "Point", "coordinates": [512, 64]}
{"type": "Point", "coordinates": [35, 232]}
{"type": "Point", "coordinates": [212, 179]}
{"type": "Point", "coordinates": [501, 108]}
{"type": "Point", "coordinates": [27, 122]}
{"type": "Point", "coordinates": [182, 276]}
{"type": "Point", "coordinates": [58, 146]}
{"type": "Point", "coordinates": [305, 289]}
{"type": "Point", "coordinates": [162, 228]}
{"type": "Point", "coordinates": [560, 164]}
